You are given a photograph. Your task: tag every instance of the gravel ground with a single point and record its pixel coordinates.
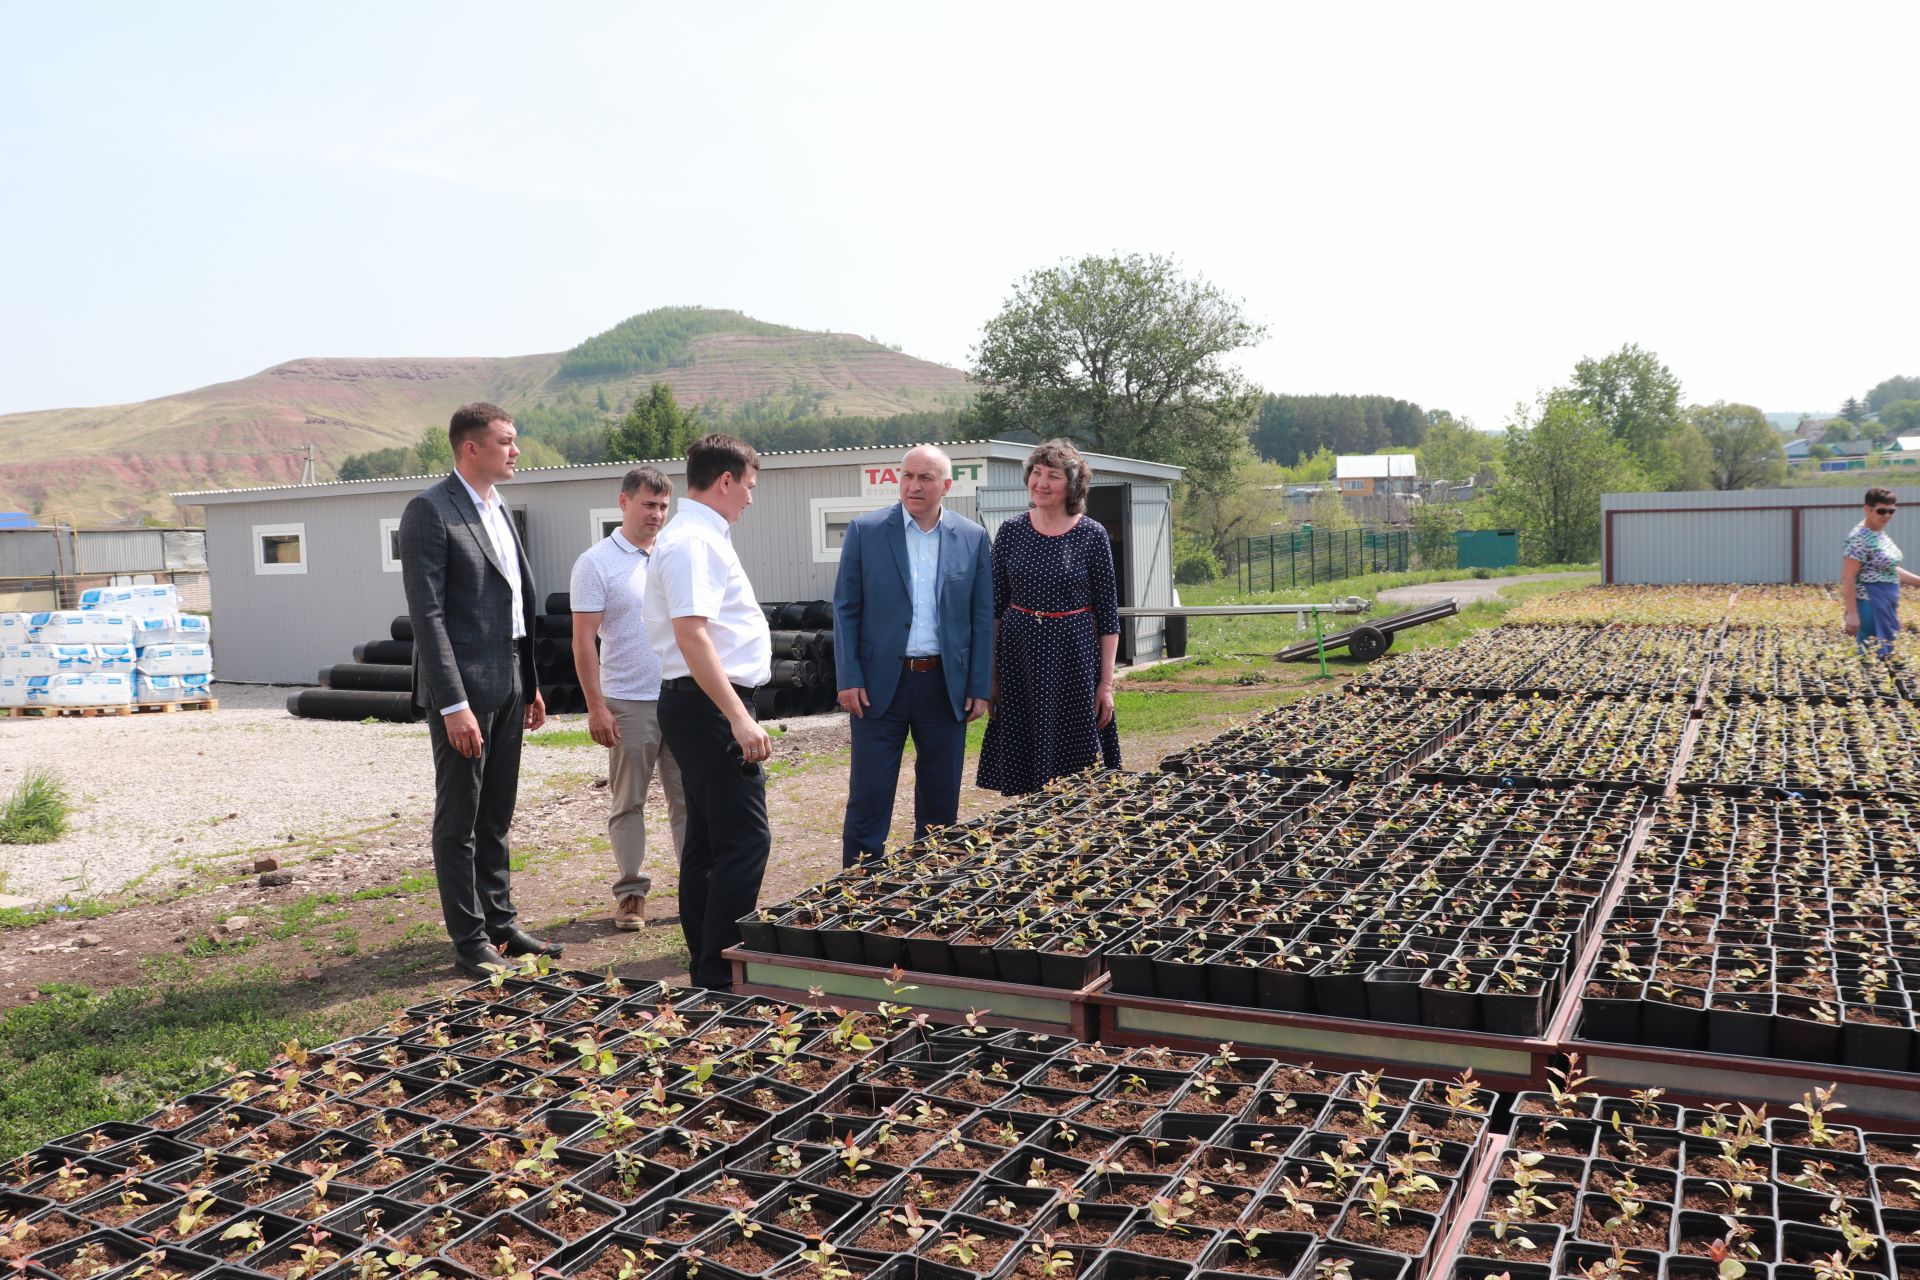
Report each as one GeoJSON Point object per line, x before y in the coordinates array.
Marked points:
{"type": "Point", "coordinates": [157, 796]}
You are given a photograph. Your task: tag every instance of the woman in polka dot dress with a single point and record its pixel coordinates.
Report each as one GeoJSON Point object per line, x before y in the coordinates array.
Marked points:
{"type": "Point", "coordinates": [1058, 627]}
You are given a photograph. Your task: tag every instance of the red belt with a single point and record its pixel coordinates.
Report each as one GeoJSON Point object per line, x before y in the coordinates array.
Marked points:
{"type": "Point", "coordinates": [1068, 613]}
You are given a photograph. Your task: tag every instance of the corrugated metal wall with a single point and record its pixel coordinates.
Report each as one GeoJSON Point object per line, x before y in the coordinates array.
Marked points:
{"type": "Point", "coordinates": [286, 626]}
{"type": "Point", "coordinates": [1742, 536]}
{"type": "Point", "coordinates": [1151, 536]}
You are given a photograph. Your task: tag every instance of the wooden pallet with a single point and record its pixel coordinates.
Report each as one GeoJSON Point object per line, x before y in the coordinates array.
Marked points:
{"type": "Point", "coordinates": [121, 709]}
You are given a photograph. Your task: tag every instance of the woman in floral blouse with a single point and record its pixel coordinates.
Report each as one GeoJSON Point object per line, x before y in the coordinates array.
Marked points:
{"type": "Point", "coordinates": [1870, 575]}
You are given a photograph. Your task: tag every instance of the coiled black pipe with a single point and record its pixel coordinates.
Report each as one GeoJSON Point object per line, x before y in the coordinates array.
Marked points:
{"type": "Point", "coordinates": [793, 672]}
{"type": "Point", "coordinates": [376, 676]}
{"type": "Point", "coordinates": [401, 628]}
{"type": "Point", "coordinates": [353, 704]}
{"type": "Point", "coordinates": [392, 653]}
{"type": "Point", "coordinates": [558, 626]}
{"type": "Point", "coordinates": [559, 602]}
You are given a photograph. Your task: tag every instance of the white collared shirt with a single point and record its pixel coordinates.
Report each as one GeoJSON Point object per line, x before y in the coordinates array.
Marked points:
{"type": "Point", "coordinates": [610, 579]}
{"type": "Point", "coordinates": [696, 574]}
{"type": "Point", "coordinates": [923, 571]}
{"type": "Point", "coordinates": [495, 520]}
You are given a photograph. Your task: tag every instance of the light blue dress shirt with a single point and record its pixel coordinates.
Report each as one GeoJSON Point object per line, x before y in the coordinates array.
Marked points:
{"type": "Point", "coordinates": [923, 565]}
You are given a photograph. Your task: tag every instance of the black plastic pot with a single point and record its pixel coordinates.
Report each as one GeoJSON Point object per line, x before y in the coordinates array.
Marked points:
{"type": "Point", "coordinates": [1744, 1032]}
{"type": "Point", "coordinates": [1873, 1046]}
{"type": "Point", "coordinates": [1392, 994]}
{"type": "Point", "coordinates": [1672, 1026]}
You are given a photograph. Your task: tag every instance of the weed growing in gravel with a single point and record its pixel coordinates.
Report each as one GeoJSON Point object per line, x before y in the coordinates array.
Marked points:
{"type": "Point", "coordinates": [36, 812]}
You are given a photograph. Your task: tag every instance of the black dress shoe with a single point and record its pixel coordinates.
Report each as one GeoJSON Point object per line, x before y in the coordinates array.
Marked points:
{"type": "Point", "coordinates": [475, 961]}
{"type": "Point", "coordinates": [518, 942]}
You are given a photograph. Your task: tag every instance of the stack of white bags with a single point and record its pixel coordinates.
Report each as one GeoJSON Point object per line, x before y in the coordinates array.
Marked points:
{"type": "Point", "coordinates": [122, 645]}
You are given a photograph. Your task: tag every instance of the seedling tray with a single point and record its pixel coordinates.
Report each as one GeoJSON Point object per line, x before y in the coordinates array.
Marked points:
{"type": "Point", "coordinates": [944, 998]}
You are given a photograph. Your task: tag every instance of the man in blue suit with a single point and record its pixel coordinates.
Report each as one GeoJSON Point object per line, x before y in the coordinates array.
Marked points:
{"type": "Point", "coordinates": [913, 648]}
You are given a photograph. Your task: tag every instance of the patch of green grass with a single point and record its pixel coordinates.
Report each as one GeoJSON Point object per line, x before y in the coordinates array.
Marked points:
{"type": "Point", "coordinates": [560, 738]}
{"type": "Point", "coordinates": [65, 909]}
{"type": "Point", "coordinates": [77, 1058]}
{"type": "Point", "coordinates": [1239, 650]}
{"type": "Point", "coordinates": [36, 812]}
{"type": "Point", "coordinates": [412, 882]}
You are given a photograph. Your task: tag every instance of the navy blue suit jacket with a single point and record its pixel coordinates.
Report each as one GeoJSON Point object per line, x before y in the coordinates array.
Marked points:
{"type": "Point", "coordinates": [873, 608]}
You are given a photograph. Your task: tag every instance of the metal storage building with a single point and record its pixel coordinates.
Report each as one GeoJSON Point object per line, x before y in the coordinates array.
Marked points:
{"type": "Point", "coordinates": [1747, 535]}
{"type": "Point", "coordinates": [302, 573]}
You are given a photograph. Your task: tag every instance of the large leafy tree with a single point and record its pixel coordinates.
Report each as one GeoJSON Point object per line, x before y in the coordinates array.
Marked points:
{"type": "Point", "coordinates": [1454, 451]}
{"type": "Point", "coordinates": [1559, 458]}
{"type": "Point", "coordinates": [1892, 390]}
{"type": "Point", "coordinates": [1637, 399]}
{"type": "Point", "coordinates": [1123, 355]}
{"type": "Point", "coordinates": [1219, 516]}
{"type": "Point", "coordinates": [1746, 452]}
{"type": "Point", "coordinates": [656, 427]}
{"type": "Point", "coordinates": [1900, 417]}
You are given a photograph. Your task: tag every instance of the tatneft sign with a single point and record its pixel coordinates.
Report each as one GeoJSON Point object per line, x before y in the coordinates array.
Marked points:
{"type": "Point", "coordinates": [884, 481]}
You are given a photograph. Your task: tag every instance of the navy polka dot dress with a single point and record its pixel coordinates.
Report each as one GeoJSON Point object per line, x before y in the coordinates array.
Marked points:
{"type": "Point", "coordinates": [1044, 723]}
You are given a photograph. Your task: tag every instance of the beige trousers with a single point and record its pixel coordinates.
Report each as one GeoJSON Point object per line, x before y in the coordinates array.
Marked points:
{"type": "Point", "coordinates": [629, 771]}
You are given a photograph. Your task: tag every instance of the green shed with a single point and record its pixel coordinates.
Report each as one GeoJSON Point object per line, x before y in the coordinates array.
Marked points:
{"type": "Point", "coordinates": [1487, 548]}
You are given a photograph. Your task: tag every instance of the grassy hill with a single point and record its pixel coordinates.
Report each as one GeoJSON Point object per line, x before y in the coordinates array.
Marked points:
{"type": "Point", "coordinates": [117, 464]}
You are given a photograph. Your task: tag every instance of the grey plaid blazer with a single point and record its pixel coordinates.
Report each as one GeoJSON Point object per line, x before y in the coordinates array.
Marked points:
{"type": "Point", "coordinates": [461, 604]}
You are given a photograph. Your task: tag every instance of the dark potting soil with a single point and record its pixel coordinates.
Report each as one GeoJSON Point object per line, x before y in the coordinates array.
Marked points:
{"type": "Point", "coordinates": [1647, 1231]}
{"type": "Point", "coordinates": [891, 1237]}
{"type": "Point", "coordinates": [575, 1223]}
{"type": "Point", "coordinates": [1167, 1244]}
{"type": "Point", "coordinates": [1456, 1128]}
{"type": "Point", "coordinates": [1399, 1237]}
{"type": "Point", "coordinates": [748, 1257]}
{"type": "Point", "coordinates": [1287, 1220]}
{"type": "Point", "coordinates": [1509, 1250]}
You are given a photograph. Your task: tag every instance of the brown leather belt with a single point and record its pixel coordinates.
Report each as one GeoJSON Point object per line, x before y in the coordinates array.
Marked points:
{"type": "Point", "coordinates": [921, 664]}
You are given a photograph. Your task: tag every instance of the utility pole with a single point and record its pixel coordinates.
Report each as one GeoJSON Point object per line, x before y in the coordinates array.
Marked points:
{"type": "Point", "coordinates": [306, 467]}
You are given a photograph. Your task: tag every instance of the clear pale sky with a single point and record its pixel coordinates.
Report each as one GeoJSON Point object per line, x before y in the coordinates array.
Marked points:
{"type": "Point", "coordinates": [1447, 203]}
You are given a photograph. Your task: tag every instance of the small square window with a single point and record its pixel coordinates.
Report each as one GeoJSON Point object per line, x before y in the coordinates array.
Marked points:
{"type": "Point", "coordinates": [601, 521]}
{"type": "Point", "coordinates": [390, 545]}
{"type": "Point", "coordinates": [831, 516]}
{"type": "Point", "coordinates": [280, 548]}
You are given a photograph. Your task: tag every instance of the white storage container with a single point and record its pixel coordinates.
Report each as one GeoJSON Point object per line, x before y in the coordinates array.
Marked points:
{"type": "Point", "coordinates": [76, 626]}
{"type": "Point", "coordinates": [29, 660]}
{"type": "Point", "coordinates": [143, 601]}
{"type": "Point", "coordinates": [82, 689]}
{"type": "Point", "coordinates": [148, 688]}
{"type": "Point", "coordinates": [177, 659]}
{"type": "Point", "coordinates": [172, 628]}
{"type": "Point", "coordinates": [113, 657]}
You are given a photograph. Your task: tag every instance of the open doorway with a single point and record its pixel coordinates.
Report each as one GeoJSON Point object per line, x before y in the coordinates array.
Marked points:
{"type": "Point", "coordinates": [1110, 506]}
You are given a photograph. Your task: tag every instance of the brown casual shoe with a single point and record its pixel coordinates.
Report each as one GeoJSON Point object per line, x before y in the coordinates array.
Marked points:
{"type": "Point", "coordinates": [631, 913]}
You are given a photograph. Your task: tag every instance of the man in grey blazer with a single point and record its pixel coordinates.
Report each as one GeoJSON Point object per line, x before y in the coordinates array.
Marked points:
{"type": "Point", "coordinates": [470, 598]}
{"type": "Point", "coordinates": [913, 651]}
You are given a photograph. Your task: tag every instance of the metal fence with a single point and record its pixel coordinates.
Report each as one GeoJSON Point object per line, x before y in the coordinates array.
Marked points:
{"type": "Point", "coordinates": [1303, 557]}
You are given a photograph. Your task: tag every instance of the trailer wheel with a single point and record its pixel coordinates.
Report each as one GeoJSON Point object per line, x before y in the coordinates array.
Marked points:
{"type": "Point", "coordinates": [1368, 643]}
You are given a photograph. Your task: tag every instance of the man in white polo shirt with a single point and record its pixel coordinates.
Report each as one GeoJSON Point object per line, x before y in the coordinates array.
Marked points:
{"type": "Point", "coordinates": [706, 625]}
{"type": "Point", "coordinates": [621, 681]}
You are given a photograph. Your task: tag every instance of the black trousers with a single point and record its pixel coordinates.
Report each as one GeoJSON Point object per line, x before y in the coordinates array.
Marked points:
{"type": "Point", "coordinates": [920, 707]}
{"type": "Point", "coordinates": [725, 854]}
{"type": "Point", "coordinates": [472, 809]}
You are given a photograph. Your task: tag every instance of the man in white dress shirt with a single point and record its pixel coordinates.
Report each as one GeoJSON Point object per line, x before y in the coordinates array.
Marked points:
{"type": "Point", "coordinates": [621, 680]}
{"type": "Point", "coordinates": [715, 650]}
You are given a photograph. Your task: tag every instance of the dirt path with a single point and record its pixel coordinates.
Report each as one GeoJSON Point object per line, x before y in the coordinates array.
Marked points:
{"type": "Point", "coordinates": [1465, 590]}
{"type": "Point", "coordinates": [360, 916]}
